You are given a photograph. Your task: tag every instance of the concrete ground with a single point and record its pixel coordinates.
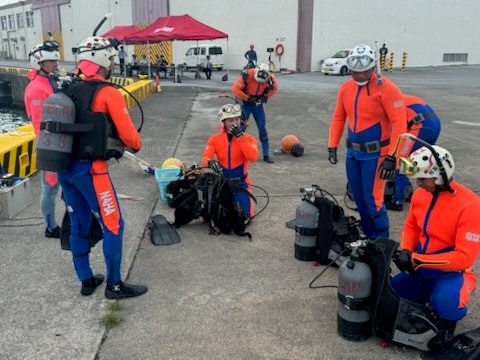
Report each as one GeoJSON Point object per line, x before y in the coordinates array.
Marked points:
{"type": "Point", "coordinates": [216, 297]}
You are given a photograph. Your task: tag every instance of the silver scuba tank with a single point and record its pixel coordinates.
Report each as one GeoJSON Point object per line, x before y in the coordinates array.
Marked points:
{"type": "Point", "coordinates": [354, 289]}
{"type": "Point", "coordinates": [54, 149]}
{"type": "Point", "coordinates": [306, 229]}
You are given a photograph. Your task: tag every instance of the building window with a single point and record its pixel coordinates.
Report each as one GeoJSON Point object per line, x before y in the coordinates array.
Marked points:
{"type": "Point", "coordinates": [29, 17]}
{"type": "Point", "coordinates": [20, 21]}
{"type": "Point", "coordinates": [11, 22]}
{"type": "Point", "coordinates": [4, 22]}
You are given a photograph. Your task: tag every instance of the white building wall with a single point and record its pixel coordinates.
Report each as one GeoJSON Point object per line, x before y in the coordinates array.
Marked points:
{"type": "Point", "coordinates": [264, 23]}
{"type": "Point", "coordinates": [424, 29]}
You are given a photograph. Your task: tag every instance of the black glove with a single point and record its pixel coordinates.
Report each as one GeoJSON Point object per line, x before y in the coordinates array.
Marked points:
{"type": "Point", "coordinates": [332, 155]}
{"type": "Point", "coordinates": [250, 101]}
{"type": "Point", "coordinates": [236, 131]}
{"type": "Point", "coordinates": [215, 166]}
{"type": "Point", "coordinates": [387, 168]}
{"type": "Point", "coordinates": [264, 98]}
{"type": "Point", "coordinates": [403, 260]}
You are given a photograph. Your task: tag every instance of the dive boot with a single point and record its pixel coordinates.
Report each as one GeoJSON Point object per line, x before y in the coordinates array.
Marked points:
{"type": "Point", "coordinates": [89, 285]}
{"type": "Point", "coordinates": [268, 159]}
{"type": "Point", "coordinates": [443, 337]}
{"type": "Point", "coordinates": [124, 291]}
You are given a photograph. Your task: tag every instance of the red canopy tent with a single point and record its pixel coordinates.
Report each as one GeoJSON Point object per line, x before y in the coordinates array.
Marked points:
{"type": "Point", "coordinates": [179, 27]}
{"type": "Point", "coordinates": [167, 28]}
{"type": "Point", "coordinates": [120, 32]}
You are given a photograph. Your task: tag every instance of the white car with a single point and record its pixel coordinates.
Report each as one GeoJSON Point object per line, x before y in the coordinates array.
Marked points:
{"type": "Point", "coordinates": [337, 63]}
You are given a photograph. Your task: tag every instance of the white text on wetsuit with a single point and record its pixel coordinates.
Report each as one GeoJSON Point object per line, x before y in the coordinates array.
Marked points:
{"type": "Point", "coordinates": [107, 202]}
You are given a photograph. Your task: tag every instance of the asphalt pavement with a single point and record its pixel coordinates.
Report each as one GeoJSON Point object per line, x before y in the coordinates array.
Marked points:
{"type": "Point", "coordinates": [217, 297]}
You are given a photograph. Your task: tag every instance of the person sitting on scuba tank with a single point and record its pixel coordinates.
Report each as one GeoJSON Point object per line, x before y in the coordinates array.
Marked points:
{"type": "Point", "coordinates": [87, 185]}
{"type": "Point", "coordinates": [440, 240]}
{"type": "Point", "coordinates": [234, 149]}
{"type": "Point", "coordinates": [44, 60]}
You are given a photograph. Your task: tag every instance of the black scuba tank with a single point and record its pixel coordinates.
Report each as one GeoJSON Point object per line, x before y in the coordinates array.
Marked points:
{"type": "Point", "coordinates": [354, 289]}
{"type": "Point", "coordinates": [54, 149]}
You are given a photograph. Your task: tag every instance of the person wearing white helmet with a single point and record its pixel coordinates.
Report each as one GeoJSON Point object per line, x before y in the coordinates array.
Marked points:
{"type": "Point", "coordinates": [233, 149]}
{"type": "Point", "coordinates": [440, 239]}
{"type": "Point", "coordinates": [375, 113]}
{"type": "Point", "coordinates": [44, 59]}
{"type": "Point", "coordinates": [255, 87]}
{"type": "Point", "coordinates": [87, 185]}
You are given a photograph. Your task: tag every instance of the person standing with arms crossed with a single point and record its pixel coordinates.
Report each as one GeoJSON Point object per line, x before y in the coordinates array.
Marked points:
{"type": "Point", "coordinates": [87, 185]}
{"type": "Point", "coordinates": [376, 118]}
{"type": "Point", "coordinates": [44, 60]}
{"type": "Point", "coordinates": [254, 87]}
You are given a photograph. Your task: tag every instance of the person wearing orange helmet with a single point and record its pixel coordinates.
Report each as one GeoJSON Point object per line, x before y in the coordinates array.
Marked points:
{"type": "Point", "coordinates": [44, 59]}
{"type": "Point", "coordinates": [233, 149]}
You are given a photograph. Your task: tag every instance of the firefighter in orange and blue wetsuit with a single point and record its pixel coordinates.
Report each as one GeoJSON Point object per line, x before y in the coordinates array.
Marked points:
{"type": "Point", "coordinates": [86, 185]}
{"type": "Point", "coordinates": [440, 240]}
{"type": "Point", "coordinates": [376, 117]}
{"type": "Point", "coordinates": [424, 124]}
{"type": "Point", "coordinates": [255, 86]}
{"type": "Point", "coordinates": [234, 149]}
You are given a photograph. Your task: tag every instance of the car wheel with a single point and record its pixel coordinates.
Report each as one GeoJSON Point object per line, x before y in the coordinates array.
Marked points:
{"type": "Point", "coordinates": [325, 74]}
{"type": "Point", "coordinates": [220, 69]}
{"type": "Point", "coordinates": [343, 71]}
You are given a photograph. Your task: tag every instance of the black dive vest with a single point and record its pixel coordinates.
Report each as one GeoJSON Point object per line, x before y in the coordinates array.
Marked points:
{"type": "Point", "coordinates": [102, 142]}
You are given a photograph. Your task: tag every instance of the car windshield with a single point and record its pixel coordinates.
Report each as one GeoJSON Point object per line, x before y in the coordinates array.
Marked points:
{"type": "Point", "coordinates": [341, 54]}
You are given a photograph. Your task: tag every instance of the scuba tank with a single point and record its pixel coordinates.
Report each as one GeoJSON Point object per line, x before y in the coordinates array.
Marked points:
{"type": "Point", "coordinates": [306, 227]}
{"type": "Point", "coordinates": [54, 149]}
{"type": "Point", "coordinates": [354, 289]}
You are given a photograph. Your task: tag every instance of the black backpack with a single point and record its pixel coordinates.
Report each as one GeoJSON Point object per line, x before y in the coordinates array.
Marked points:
{"type": "Point", "coordinates": [334, 229]}
{"type": "Point", "coordinates": [211, 197]}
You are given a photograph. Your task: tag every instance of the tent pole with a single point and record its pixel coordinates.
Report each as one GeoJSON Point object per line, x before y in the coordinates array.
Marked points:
{"type": "Point", "coordinates": [125, 60]}
{"type": "Point", "coordinates": [148, 59]}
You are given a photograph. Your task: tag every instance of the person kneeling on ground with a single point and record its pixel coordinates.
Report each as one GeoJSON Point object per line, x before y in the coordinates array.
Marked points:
{"type": "Point", "coordinates": [440, 240]}
{"type": "Point", "coordinates": [233, 149]}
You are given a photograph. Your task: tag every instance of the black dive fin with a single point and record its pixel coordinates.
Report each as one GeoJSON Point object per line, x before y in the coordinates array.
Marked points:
{"type": "Point", "coordinates": [162, 232]}
{"type": "Point", "coordinates": [465, 346]}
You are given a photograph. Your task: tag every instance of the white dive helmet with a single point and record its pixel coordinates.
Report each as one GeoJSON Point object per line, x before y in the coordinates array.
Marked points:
{"type": "Point", "coordinates": [97, 50]}
{"type": "Point", "coordinates": [427, 167]}
{"type": "Point", "coordinates": [229, 111]}
{"type": "Point", "coordinates": [362, 58]}
{"type": "Point", "coordinates": [48, 50]}
{"type": "Point", "coordinates": [262, 73]}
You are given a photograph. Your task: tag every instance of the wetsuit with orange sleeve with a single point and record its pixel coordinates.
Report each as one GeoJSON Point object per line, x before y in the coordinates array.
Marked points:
{"type": "Point", "coordinates": [254, 95]}
{"type": "Point", "coordinates": [234, 154]}
{"type": "Point", "coordinates": [88, 188]}
{"type": "Point", "coordinates": [443, 233]}
{"type": "Point", "coordinates": [376, 117]}
{"type": "Point", "coordinates": [424, 124]}
{"type": "Point", "coordinates": [37, 91]}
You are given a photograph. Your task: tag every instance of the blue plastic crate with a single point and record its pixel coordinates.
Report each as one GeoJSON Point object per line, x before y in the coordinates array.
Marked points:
{"type": "Point", "coordinates": [165, 177]}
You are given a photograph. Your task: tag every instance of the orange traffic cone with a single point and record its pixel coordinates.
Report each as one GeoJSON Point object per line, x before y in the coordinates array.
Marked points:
{"type": "Point", "coordinates": [157, 84]}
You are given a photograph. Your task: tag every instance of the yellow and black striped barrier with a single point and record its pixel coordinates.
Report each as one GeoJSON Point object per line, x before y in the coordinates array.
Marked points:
{"type": "Point", "coordinates": [404, 60]}
{"type": "Point", "coordinates": [390, 66]}
{"type": "Point", "coordinates": [17, 151]}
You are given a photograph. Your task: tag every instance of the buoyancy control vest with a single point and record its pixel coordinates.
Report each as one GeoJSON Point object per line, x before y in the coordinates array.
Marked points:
{"type": "Point", "coordinates": [102, 142]}
{"type": "Point", "coordinates": [71, 130]}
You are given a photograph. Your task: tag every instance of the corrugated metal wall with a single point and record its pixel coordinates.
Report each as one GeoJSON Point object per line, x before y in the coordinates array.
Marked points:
{"type": "Point", "coordinates": [145, 12]}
